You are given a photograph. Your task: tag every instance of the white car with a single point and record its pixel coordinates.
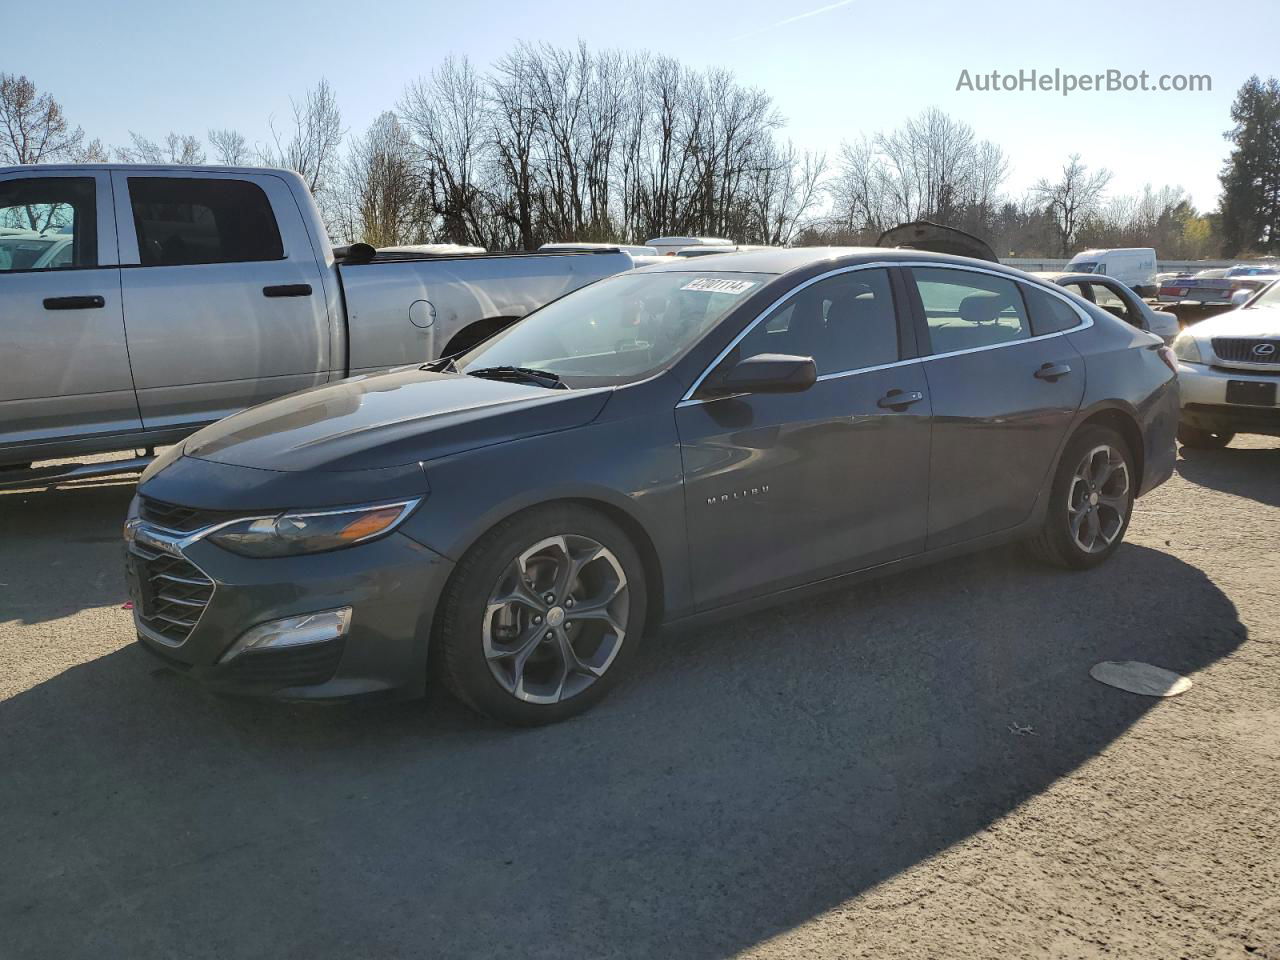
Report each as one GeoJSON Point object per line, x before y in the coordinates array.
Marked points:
{"type": "Point", "coordinates": [1228, 373]}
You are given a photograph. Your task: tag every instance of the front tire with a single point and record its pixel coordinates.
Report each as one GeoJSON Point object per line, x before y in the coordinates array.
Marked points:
{"type": "Point", "coordinates": [1197, 439]}
{"type": "Point", "coordinates": [1090, 502]}
{"type": "Point", "coordinates": [542, 616]}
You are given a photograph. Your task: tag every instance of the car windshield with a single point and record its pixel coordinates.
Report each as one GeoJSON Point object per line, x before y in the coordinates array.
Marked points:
{"type": "Point", "coordinates": [1270, 297]}
{"type": "Point", "coordinates": [1086, 267]}
{"type": "Point", "coordinates": [619, 330]}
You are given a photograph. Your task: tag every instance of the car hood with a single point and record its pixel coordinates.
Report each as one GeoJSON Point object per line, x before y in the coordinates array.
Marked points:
{"type": "Point", "coordinates": [1252, 322]}
{"type": "Point", "coordinates": [389, 420]}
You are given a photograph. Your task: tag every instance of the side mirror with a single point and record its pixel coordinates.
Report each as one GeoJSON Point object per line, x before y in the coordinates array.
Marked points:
{"type": "Point", "coordinates": [767, 373]}
{"type": "Point", "coordinates": [1240, 297]}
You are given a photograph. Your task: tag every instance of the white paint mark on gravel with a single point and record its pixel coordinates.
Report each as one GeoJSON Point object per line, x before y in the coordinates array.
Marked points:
{"type": "Point", "coordinates": [1138, 677]}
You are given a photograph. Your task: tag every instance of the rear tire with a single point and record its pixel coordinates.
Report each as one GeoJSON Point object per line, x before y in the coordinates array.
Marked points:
{"type": "Point", "coordinates": [1090, 502]}
{"type": "Point", "coordinates": [1197, 439]}
{"type": "Point", "coordinates": [542, 616]}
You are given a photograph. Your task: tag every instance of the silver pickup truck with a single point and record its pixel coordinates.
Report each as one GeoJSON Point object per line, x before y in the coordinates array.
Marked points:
{"type": "Point", "coordinates": [138, 303]}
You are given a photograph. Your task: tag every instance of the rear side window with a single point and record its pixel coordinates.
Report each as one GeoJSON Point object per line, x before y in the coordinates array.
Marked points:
{"type": "Point", "coordinates": [48, 223]}
{"type": "Point", "coordinates": [1049, 314]}
{"type": "Point", "coordinates": [181, 220]}
{"type": "Point", "coordinates": [967, 310]}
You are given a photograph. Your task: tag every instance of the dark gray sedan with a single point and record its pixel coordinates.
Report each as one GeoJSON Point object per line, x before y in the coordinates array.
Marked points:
{"type": "Point", "coordinates": [686, 441]}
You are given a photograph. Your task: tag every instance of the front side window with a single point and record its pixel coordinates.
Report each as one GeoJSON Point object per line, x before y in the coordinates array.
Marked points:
{"type": "Point", "coordinates": [182, 220]}
{"type": "Point", "coordinates": [967, 310]}
{"type": "Point", "coordinates": [846, 322]}
{"type": "Point", "coordinates": [620, 329]}
{"type": "Point", "coordinates": [48, 223]}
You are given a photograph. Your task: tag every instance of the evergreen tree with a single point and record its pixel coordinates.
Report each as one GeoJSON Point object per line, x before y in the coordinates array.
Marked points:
{"type": "Point", "coordinates": [1251, 177]}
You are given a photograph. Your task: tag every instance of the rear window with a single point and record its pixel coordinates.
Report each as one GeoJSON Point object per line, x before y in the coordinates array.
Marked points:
{"type": "Point", "coordinates": [1049, 314]}
{"type": "Point", "coordinates": [183, 220]}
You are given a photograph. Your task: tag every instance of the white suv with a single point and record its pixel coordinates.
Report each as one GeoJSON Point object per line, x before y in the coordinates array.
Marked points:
{"type": "Point", "coordinates": [1229, 372]}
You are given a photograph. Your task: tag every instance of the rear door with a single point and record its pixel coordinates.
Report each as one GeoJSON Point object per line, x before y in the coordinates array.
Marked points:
{"type": "Point", "coordinates": [783, 489]}
{"type": "Point", "coordinates": [223, 295]}
{"type": "Point", "coordinates": [62, 339]}
{"type": "Point", "coordinates": [1004, 394]}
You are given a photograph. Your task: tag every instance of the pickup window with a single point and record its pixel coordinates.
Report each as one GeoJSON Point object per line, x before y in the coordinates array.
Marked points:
{"type": "Point", "coordinates": [48, 223]}
{"type": "Point", "coordinates": [183, 220]}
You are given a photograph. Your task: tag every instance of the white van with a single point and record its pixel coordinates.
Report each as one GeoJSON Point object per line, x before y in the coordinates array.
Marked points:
{"type": "Point", "coordinates": [1135, 267]}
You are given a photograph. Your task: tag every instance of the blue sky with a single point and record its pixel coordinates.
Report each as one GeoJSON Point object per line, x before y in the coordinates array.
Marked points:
{"type": "Point", "coordinates": [852, 67]}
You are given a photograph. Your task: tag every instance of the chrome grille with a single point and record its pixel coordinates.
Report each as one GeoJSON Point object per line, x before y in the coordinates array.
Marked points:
{"type": "Point", "coordinates": [171, 516]}
{"type": "Point", "coordinates": [1241, 350]}
{"type": "Point", "coordinates": [174, 594]}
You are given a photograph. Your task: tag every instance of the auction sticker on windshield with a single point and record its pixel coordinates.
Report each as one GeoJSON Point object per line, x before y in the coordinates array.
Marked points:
{"type": "Point", "coordinates": [717, 285]}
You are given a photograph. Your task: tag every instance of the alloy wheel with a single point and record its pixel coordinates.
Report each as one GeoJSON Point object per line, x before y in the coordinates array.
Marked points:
{"type": "Point", "coordinates": [556, 619]}
{"type": "Point", "coordinates": [1098, 499]}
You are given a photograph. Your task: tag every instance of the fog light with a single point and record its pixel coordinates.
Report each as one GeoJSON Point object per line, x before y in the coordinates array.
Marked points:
{"type": "Point", "coordinates": [292, 632]}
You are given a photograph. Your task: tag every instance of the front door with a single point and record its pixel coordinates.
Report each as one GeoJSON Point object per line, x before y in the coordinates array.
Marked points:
{"type": "Point", "coordinates": [1003, 394]}
{"type": "Point", "coordinates": [62, 339]}
{"type": "Point", "coordinates": [783, 489]}
{"type": "Point", "coordinates": [223, 300]}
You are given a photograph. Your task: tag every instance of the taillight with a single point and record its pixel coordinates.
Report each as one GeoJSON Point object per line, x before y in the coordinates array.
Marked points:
{"type": "Point", "coordinates": [1169, 359]}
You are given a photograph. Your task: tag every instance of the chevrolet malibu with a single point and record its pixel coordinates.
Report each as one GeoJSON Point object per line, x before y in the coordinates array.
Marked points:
{"type": "Point", "coordinates": [674, 444]}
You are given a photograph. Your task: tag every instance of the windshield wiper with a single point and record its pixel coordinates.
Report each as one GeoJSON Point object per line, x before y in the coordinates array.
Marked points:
{"type": "Point", "coordinates": [543, 378]}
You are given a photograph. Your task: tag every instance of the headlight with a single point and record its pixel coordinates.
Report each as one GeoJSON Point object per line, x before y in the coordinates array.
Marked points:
{"type": "Point", "coordinates": [299, 532]}
{"type": "Point", "coordinates": [1186, 349]}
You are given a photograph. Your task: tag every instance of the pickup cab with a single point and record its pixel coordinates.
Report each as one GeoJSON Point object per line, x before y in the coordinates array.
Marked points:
{"type": "Point", "coordinates": [139, 303]}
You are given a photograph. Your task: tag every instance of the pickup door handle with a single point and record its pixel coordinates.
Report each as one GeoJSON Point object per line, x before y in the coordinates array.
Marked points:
{"type": "Point", "coordinates": [1052, 371]}
{"type": "Point", "coordinates": [74, 303]}
{"type": "Point", "coordinates": [897, 400]}
{"type": "Point", "coordinates": [288, 290]}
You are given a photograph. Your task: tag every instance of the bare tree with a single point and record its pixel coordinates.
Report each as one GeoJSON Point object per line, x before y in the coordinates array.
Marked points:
{"type": "Point", "coordinates": [229, 147]}
{"type": "Point", "coordinates": [91, 152]}
{"type": "Point", "coordinates": [33, 128]}
{"type": "Point", "coordinates": [311, 147]}
{"type": "Point", "coordinates": [1072, 198]}
{"type": "Point", "coordinates": [177, 148]}
{"type": "Point", "coordinates": [383, 201]}
{"type": "Point", "coordinates": [445, 113]}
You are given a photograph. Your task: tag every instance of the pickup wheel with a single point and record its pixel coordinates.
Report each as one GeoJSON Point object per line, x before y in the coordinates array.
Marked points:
{"type": "Point", "coordinates": [542, 616]}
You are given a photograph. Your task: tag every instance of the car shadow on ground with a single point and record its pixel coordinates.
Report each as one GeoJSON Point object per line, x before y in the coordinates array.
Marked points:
{"type": "Point", "coordinates": [749, 777]}
{"type": "Point", "coordinates": [1252, 472]}
{"type": "Point", "coordinates": [50, 531]}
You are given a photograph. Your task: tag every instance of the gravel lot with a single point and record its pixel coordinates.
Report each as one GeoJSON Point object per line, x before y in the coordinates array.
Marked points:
{"type": "Point", "coordinates": [919, 766]}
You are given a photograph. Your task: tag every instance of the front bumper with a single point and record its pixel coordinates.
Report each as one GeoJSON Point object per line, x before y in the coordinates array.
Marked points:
{"type": "Point", "coordinates": [1205, 406]}
{"type": "Point", "coordinates": [392, 586]}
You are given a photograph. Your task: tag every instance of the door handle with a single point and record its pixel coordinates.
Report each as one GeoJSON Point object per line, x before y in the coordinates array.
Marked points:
{"type": "Point", "coordinates": [288, 290]}
{"type": "Point", "coordinates": [897, 400]}
{"type": "Point", "coordinates": [1052, 371]}
{"type": "Point", "coordinates": [93, 302]}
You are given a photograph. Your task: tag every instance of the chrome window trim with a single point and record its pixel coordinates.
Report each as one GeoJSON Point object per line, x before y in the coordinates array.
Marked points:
{"type": "Point", "coordinates": [1086, 322]}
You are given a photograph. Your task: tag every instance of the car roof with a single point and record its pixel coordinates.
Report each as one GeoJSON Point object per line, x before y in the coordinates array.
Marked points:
{"type": "Point", "coordinates": [785, 260]}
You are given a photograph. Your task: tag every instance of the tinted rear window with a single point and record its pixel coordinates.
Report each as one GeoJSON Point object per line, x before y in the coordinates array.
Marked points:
{"type": "Point", "coordinates": [185, 220]}
{"type": "Point", "coordinates": [1049, 314]}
